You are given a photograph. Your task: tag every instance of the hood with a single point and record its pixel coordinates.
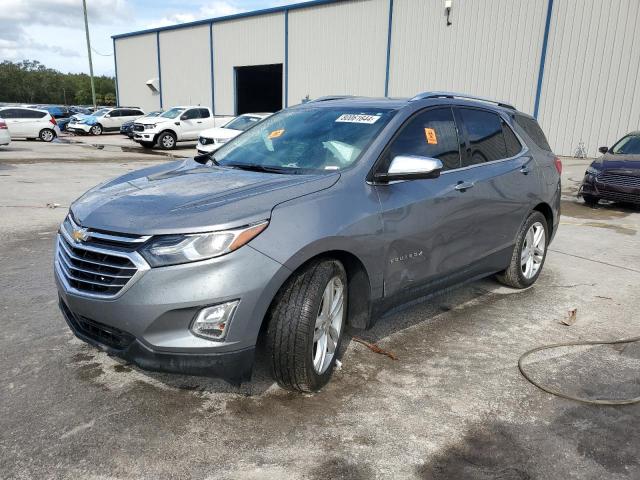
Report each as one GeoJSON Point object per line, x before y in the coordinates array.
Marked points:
{"type": "Point", "coordinates": [186, 197]}
{"type": "Point", "coordinates": [220, 132]}
{"type": "Point", "coordinates": [611, 161]}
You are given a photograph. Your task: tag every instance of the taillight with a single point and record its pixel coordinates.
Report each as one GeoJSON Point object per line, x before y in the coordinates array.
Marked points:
{"type": "Point", "coordinates": [3, 125]}
{"type": "Point", "coordinates": [53, 121]}
{"type": "Point", "coordinates": [558, 164]}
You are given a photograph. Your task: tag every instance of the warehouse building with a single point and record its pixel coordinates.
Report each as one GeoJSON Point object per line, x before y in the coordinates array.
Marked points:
{"type": "Point", "coordinates": [574, 64]}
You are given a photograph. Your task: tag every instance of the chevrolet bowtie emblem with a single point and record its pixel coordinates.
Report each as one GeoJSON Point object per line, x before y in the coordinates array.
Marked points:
{"type": "Point", "coordinates": [80, 234]}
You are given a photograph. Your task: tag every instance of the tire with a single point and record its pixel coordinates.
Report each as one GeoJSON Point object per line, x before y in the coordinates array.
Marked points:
{"type": "Point", "coordinates": [298, 325]}
{"type": "Point", "coordinates": [47, 135]}
{"type": "Point", "coordinates": [167, 141]}
{"type": "Point", "coordinates": [518, 275]}
{"type": "Point", "coordinates": [590, 200]}
{"type": "Point", "coordinates": [147, 144]}
{"type": "Point", "coordinates": [96, 129]}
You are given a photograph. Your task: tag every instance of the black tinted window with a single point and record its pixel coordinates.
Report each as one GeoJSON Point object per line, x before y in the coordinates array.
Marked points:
{"type": "Point", "coordinates": [512, 142]}
{"type": "Point", "coordinates": [116, 113]}
{"type": "Point", "coordinates": [204, 112]}
{"type": "Point", "coordinates": [533, 130]}
{"type": "Point", "coordinates": [429, 134]}
{"type": "Point", "coordinates": [191, 114]}
{"type": "Point", "coordinates": [9, 113]}
{"type": "Point", "coordinates": [136, 113]}
{"type": "Point", "coordinates": [629, 145]}
{"type": "Point", "coordinates": [484, 135]}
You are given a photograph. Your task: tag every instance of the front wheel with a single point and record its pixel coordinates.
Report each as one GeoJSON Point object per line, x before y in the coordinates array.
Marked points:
{"type": "Point", "coordinates": [305, 326]}
{"type": "Point", "coordinates": [529, 253]}
{"type": "Point", "coordinates": [167, 141]}
{"type": "Point", "coordinates": [96, 129]}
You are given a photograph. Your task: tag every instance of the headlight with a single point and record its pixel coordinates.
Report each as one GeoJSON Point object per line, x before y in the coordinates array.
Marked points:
{"type": "Point", "coordinates": [592, 171]}
{"type": "Point", "coordinates": [174, 249]}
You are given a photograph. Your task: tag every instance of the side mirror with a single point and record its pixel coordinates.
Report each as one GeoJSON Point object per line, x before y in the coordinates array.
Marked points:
{"type": "Point", "coordinates": [184, 117]}
{"type": "Point", "coordinates": [410, 167]}
{"type": "Point", "coordinates": [108, 115]}
{"type": "Point", "coordinates": [603, 150]}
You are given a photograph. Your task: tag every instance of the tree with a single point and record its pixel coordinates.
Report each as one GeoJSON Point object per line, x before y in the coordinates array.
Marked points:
{"type": "Point", "coordinates": [29, 81]}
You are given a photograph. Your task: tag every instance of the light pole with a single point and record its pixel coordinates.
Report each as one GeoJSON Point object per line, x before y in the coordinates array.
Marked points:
{"type": "Point", "coordinates": [86, 29]}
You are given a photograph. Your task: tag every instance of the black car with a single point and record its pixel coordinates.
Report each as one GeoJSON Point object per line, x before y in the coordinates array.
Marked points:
{"type": "Point", "coordinates": [616, 175]}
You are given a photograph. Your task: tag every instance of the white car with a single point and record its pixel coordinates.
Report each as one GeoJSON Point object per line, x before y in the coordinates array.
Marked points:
{"type": "Point", "coordinates": [104, 120]}
{"type": "Point", "coordinates": [30, 123]}
{"type": "Point", "coordinates": [212, 139]}
{"type": "Point", "coordinates": [5, 136]}
{"type": "Point", "coordinates": [178, 124]}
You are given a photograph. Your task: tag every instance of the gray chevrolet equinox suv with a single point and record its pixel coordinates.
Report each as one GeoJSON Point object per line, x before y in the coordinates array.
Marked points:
{"type": "Point", "coordinates": [325, 215]}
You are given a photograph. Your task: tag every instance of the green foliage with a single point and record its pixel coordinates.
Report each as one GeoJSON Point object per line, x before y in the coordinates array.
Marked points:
{"type": "Point", "coordinates": [31, 82]}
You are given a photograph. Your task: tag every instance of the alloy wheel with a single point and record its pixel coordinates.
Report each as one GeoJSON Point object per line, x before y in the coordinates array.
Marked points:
{"type": "Point", "coordinates": [47, 135]}
{"type": "Point", "coordinates": [533, 250]}
{"type": "Point", "coordinates": [328, 325]}
{"type": "Point", "coordinates": [168, 141]}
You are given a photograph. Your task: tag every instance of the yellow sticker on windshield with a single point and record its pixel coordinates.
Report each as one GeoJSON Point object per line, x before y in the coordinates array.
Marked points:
{"type": "Point", "coordinates": [276, 133]}
{"type": "Point", "coordinates": [432, 138]}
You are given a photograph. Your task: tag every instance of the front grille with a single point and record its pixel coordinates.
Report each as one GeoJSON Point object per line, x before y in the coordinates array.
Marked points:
{"type": "Point", "coordinates": [205, 141]}
{"type": "Point", "coordinates": [101, 265]}
{"type": "Point", "coordinates": [619, 196]}
{"type": "Point", "coordinates": [619, 180]}
{"type": "Point", "coordinates": [137, 127]}
{"type": "Point", "coordinates": [110, 336]}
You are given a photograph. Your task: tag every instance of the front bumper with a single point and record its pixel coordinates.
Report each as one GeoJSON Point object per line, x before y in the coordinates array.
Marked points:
{"type": "Point", "coordinates": [144, 136]}
{"type": "Point", "coordinates": [210, 147]}
{"type": "Point", "coordinates": [594, 185]}
{"type": "Point", "coordinates": [148, 324]}
{"type": "Point", "coordinates": [234, 367]}
{"type": "Point", "coordinates": [79, 127]}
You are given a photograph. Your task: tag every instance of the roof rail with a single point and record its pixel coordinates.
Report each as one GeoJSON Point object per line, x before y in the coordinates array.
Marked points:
{"type": "Point", "coordinates": [425, 95]}
{"type": "Point", "coordinates": [326, 98]}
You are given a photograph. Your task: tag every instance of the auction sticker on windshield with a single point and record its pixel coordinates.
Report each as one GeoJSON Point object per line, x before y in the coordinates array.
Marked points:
{"type": "Point", "coordinates": [358, 118]}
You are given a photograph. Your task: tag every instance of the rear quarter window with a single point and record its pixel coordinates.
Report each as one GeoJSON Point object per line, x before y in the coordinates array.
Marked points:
{"type": "Point", "coordinates": [533, 130]}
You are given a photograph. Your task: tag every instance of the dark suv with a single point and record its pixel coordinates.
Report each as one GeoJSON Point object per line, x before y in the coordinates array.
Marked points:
{"type": "Point", "coordinates": [323, 215]}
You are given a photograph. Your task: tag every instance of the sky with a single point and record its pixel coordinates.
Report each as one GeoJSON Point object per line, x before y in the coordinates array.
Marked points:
{"type": "Point", "coordinates": [52, 31]}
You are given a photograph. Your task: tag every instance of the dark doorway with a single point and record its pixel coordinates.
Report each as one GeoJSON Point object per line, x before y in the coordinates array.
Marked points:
{"type": "Point", "coordinates": [258, 88]}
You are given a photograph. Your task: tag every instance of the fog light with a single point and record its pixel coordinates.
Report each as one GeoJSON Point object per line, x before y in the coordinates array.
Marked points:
{"type": "Point", "coordinates": [213, 322]}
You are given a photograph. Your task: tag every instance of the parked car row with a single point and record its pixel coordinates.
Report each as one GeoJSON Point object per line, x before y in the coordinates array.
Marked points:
{"type": "Point", "coordinates": [104, 120]}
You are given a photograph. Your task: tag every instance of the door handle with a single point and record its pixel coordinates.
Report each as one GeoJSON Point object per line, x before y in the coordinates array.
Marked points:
{"type": "Point", "coordinates": [198, 121]}
{"type": "Point", "coordinates": [463, 186]}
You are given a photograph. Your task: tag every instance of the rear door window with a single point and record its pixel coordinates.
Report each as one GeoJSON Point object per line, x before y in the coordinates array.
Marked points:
{"type": "Point", "coordinates": [514, 147]}
{"type": "Point", "coordinates": [431, 133]}
{"type": "Point", "coordinates": [204, 113]}
{"type": "Point", "coordinates": [485, 137]}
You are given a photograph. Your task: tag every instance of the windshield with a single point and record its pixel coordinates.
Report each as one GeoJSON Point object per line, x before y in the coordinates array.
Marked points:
{"type": "Point", "coordinates": [154, 114]}
{"type": "Point", "coordinates": [306, 139]}
{"type": "Point", "coordinates": [101, 112]}
{"type": "Point", "coordinates": [242, 123]}
{"type": "Point", "coordinates": [173, 113]}
{"type": "Point", "coordinates": [629, 145]}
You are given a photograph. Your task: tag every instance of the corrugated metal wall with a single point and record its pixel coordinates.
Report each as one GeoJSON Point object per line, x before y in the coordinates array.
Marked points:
{"type": "Point", "coordinates": [591, 91]}
{"type": "Point", "coordinates": [137, 59]}
{"type": "Point", "coordinates": [491, 49]}
{"type": "Point", "coordinates": [185, 53]}
{"type": "Point", "coordinates": [338, 49]}
{"type": "Point", "coordinates": [248, 41]}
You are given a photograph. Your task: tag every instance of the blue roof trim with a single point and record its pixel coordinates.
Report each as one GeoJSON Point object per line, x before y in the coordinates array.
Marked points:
{"type": "Point", "coordinates": [286, 58]}
{"type": "Point", "coordinates": [159, 67]}
{"type": "Point", "coordinates": [543, 59]}
{"type": "Point", "coordinates": [386, 77]}
{"type": "Point", "coordinates": [213, 90]}
{"type": "Point", "coordinates": [115, 63]}
{"type": "Point", "coordinates": [255, 13]}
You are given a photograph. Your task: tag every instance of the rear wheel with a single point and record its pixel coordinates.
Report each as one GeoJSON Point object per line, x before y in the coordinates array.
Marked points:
{"type": "Point", "coordinates": [590, 200]}
{"type": "Point", "coordinates": [47, 135]}
{"type": "Point", "coordinates": [96, 129]}
{"type": "Point", "coordinates": [306, 325]}
{"type": "Point", "coordinates": [529, 253]}
{"type": "Point", "coordinates": [167, 140]}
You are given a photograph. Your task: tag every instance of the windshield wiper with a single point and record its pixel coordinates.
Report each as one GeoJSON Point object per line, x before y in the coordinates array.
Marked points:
{"type": "Point", "coordinates": [254, 167]}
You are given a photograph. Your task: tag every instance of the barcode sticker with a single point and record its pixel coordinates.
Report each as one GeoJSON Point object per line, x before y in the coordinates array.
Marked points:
{"type": "Point", "coordinates": [358, 118]}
